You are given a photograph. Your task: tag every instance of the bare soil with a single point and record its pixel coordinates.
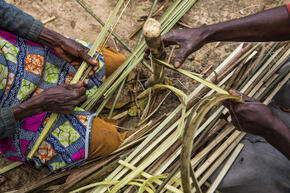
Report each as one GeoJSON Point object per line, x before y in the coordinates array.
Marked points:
{"type": "Point", "coordinates": [73, 21]}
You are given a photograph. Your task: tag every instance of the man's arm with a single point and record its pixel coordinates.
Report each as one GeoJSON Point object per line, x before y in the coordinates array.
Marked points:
{"type": "Point", "coordinates": [270, 25]}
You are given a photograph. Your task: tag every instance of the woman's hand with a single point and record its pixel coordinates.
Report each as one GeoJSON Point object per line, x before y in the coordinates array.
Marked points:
{"type": "Point", "coordinates": [59, 99]}
{"type": "Point", "coordinates": [69, 50]}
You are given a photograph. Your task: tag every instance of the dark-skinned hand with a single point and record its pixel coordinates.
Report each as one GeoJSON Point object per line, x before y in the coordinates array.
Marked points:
{"type": "Point", "coordinates": [69, 50]}
{"type": "Point", "coordinates": [252, 116]}
{"type": "Point", "coordinates": [59, 99]}
{"type": "Point", "coordinates": [189, 41]}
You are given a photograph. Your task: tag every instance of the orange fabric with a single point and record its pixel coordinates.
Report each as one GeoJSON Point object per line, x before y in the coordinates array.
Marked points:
{"type": "Point", "coordinates": [113, 60]}
{"type": "Point", "coordinates": [105, 138]}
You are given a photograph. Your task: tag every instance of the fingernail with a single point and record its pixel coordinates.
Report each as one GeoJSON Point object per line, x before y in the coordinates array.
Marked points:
{"type": "Point", "coordinates": [176, 64]}
{"type": "Point", "coordinates": [86, 81]}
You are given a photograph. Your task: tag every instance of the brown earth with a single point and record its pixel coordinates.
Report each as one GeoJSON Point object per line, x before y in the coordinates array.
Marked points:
{"type": "Point", "coordinates": [72, 20]}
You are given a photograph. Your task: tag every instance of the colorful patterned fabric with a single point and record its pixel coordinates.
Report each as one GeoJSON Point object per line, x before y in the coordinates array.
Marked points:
{"type": "Point", "coordinates": [27, 69]}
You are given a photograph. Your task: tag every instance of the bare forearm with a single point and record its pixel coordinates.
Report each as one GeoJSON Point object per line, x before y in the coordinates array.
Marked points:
{"type": "Point", "coordinates": [270, 25]}
{"type": "Point", "coordinates": [280, 137]}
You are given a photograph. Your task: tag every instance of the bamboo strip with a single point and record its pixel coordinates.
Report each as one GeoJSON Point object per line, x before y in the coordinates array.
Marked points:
{"type": "Point", "coordinates": [226, 168]}
{"type": "Point", "coordinates": [10, 167]}
{"type": "Point", "coordinates": [116, 98]}
{"type": "Point", "coordinates": [146, 175]}
{"type": "Point", "coordinates": [277, 88]}
{"type": "Point", "coordinates": [264, 72]}
{"type": "Point", "coordinates": [261, 69]}
{"type": "Point", "coordinates": [189, 137]}
{"type": "Point", "coordinates": [213, 168]}
{"type": "Point", "coordinates": [269, 72]}
{"type": "Point", "coordinates": [89, 10]}
{"type": "Point", "coordinates": [215, 155]}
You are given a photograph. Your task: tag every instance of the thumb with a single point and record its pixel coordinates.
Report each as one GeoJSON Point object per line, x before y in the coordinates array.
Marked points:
{"type": "Point", "coordinates": [245, 97]}
{"type": "Point", "coordinates": [78, 85]}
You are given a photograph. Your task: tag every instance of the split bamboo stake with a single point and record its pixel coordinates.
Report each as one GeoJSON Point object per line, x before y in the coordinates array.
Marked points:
{"type": "Point", "coordinates": [152, 34]}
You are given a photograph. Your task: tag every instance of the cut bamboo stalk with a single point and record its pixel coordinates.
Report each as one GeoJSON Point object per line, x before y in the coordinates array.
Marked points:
{"type": "Point", "coordinates": [226, 168]}
{"type": "Point", "coordinates": [152, 34]}
{"type": "Point", "coordinates": [149, 16]}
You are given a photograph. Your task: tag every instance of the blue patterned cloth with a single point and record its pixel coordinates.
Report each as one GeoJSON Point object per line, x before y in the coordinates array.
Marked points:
{"type": "Point", "coordinates": [28, 69]}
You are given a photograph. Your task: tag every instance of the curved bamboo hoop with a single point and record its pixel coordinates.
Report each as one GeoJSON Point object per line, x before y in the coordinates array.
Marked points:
{"type": "Point", "coordinates": [188, 138]}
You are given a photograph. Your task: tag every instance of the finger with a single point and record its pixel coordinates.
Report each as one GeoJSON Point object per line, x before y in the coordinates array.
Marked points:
{"type": "Point", "coordinates": [86, 82]}
{"type": "Point", "coordinates": [91, 73]}
{"type": "Point", "coordinates": [180, 58]}
{"type": "Point", "coordinates": [78, 85]}
{"type": "Point", "coordinates": [90, 60]}
{"type": "Point", "coordinates": [96, 68]}
{"type": "Point", "coordinates": [81, 91]}
{"type": "Point", "coordinates": [245, 97]}
{"type": "Point", "coordinates": [81, 100]}
{"type": "Point", "coordinates": [235, 93]}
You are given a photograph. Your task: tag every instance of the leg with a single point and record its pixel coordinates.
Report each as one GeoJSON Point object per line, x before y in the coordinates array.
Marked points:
{"type": "Point", "coordinates": [113, 60]}
{"type": "Point", "coordinates": [105, 138]}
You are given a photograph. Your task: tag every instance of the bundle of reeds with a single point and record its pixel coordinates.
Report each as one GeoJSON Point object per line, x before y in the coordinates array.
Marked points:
{"type": "Point", "coordinates": [179, 151]}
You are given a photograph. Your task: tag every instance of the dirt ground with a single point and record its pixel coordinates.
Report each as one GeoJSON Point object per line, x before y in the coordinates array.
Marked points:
{"type": "Point", "coordinates": [73, 21]}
